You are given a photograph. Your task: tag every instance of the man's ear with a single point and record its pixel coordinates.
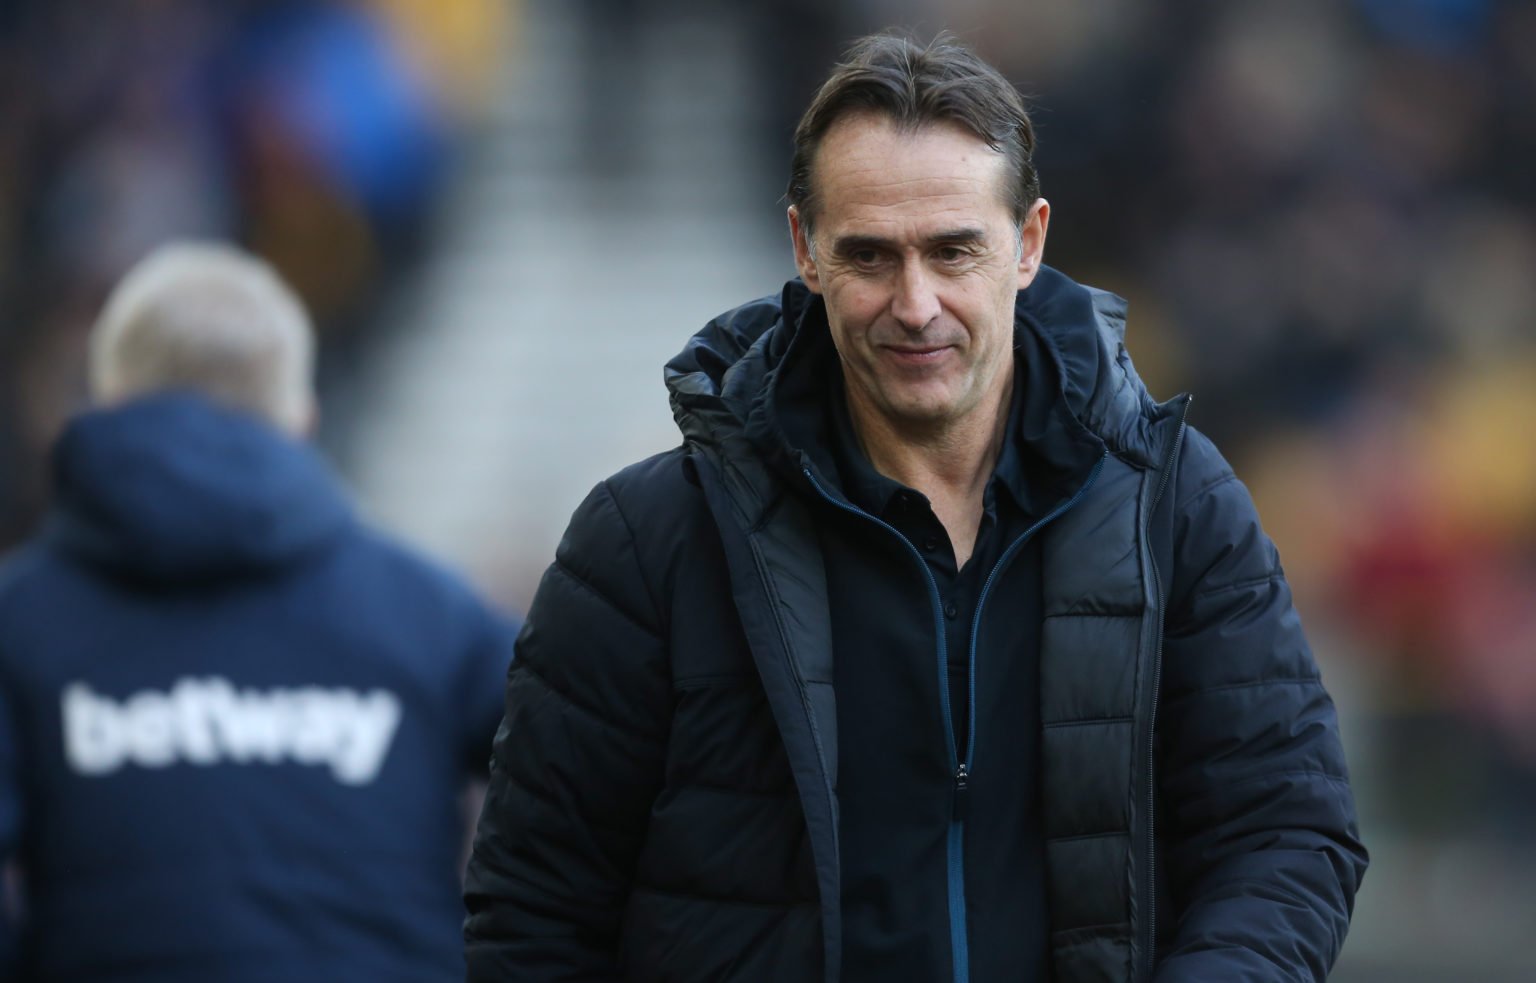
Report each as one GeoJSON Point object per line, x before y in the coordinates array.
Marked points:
{"type": "Point", "coordinates": [1032, 240]}
{"type": "Point", "coordinates": [804, 264]}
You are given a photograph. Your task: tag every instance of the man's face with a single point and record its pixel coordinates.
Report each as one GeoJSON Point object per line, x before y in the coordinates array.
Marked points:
{"type": "Point", "coordinates": [917, 255]}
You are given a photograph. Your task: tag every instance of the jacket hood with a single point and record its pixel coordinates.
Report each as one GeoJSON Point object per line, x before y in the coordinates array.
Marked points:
{"type": "Point", "coordinates": [172, 487]}
{"type": "Point", "coordinates": [730, 380]}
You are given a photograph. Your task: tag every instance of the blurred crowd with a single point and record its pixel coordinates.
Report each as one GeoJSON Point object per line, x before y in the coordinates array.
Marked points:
{"type": "Point", "coordinates": [1323, 214]}
{"type": "Point", "coordinates": [316, 133]}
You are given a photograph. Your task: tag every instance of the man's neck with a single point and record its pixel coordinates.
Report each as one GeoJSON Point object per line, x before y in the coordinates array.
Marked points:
{"type": "Point", "coordinates": [949, 464]}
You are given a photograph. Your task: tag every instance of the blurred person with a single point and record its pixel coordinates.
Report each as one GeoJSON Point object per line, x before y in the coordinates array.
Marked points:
{"type": "Point", "coordinates": [235, 722]}
{"type": "Point", "coordinates": [938, 650]}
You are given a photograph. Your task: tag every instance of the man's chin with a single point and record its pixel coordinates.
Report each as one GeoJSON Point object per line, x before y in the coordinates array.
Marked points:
{"type": "Point", "coordinates": [922, 410]}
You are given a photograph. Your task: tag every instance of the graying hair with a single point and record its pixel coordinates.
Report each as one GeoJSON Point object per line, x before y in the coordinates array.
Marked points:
{"type": "Point", "coordinates": [213, 319]}
{"type": "Point", "coordinates": [914, 85]}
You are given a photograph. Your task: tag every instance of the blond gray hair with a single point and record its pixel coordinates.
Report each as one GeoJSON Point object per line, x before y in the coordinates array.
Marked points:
{"type": "Point", "coordinates": [211, 318]}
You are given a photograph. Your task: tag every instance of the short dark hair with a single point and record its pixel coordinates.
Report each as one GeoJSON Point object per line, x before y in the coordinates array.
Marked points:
{"type": "Point", "coordinates": [912, 84]}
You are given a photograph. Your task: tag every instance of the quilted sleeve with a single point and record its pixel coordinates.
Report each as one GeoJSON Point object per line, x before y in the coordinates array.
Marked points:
{"type": "Point", "coordinates": [1260, 844]}
{"type": "Point", "coordinates": [575, 765]}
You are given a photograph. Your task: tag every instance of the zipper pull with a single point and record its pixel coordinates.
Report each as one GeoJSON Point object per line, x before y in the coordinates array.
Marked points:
{"type": "Point", "coordinates": [962, 786]}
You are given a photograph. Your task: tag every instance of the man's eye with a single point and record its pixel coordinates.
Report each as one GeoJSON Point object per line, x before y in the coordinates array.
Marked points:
{"type": "Point", "coordinates": [951, 254]}
{"type": "Point", "coordinates": [864, 257]}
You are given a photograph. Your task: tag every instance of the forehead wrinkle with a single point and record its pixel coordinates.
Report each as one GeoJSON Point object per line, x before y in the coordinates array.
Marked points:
{"type": "Point", "coordinates": [900, 189]}
{"type": "Point", "coordinates": [938, 196]}
{"type": "Point", "coordinates": [882, 175]}
{"type": "Point", "coordinates": [862, 144]}
{"type": "Point", "coordinates": [954, 218]}
{"type": "Point", "coordinates": [934, 200]}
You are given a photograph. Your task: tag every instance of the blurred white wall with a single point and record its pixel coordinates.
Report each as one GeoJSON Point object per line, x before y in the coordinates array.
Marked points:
{"type": "Point", "coordinates": [581, 250]}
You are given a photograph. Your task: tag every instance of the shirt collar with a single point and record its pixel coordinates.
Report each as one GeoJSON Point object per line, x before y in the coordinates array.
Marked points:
{"type": "Point", "coordinates": [879, 495]}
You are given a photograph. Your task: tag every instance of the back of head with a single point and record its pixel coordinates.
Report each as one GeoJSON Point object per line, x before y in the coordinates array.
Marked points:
{"type": "Point", "coordinates": [213, 319]}
{"type": "Point", "coordinates": [915, 85]}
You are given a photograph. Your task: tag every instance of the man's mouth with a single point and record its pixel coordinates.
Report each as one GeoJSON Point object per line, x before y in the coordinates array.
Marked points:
{"type": "Point", "coordinates": [917, 355]}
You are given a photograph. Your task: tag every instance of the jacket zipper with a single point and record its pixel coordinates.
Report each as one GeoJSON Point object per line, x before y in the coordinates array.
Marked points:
{"type": "Point", "coordinates": [955, 844]}
{"type": "Point", "coordinates": [986, 589]}
{"type": "Point", "coordinates": [958, 941]}
{"type": "Point", "coordinates": [1149, 891]}
{"type": "Point", "coordinates": [955, 840]}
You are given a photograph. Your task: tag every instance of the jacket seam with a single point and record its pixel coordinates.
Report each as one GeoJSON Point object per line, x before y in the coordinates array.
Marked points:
{"type": "Point", "coordinates": [505, 873]}
{"type": "Point", "coordinates": [1271, 577]}
{"type": "Point", "coordinates": [1096, 927]}
{"type": "Point", "coordinates": [1106, 834]}
{"type": "Point", "coordinates": [1126, 613]}
{"type": "Point", "coordinates": [634, 543]}
{"type": "Point", "coordinates": [1120, 453]}
{"type": "Point", "coordinates": [1296, 898]}
{"type": "Point", "coordinates": [767, 515]}
{"type": "Point", "coordinates": [1206, 489]}
{"type": "Point", "coordinates": [545, 796]}
{"type": "Point", "coordinates": [570, 701]}
{"type": "Point", "coordinates": [608, 602]}
{"type": "Point", "coordinates": [1247, 950]}
{"type": "Point", "coordinates": [777, 605]}
{"type": "Point", "coordinates": [1251, 684]}
{"type": "Point", "coordinates": [1292, 773]}
{"type": "Point", "coordinates": [1088, 721]}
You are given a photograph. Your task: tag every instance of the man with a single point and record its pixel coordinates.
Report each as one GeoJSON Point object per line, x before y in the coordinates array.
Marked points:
{"type": "Point", "coordinates": [235, 723]}
{"type": "Point", "coordinates": [939, 650]}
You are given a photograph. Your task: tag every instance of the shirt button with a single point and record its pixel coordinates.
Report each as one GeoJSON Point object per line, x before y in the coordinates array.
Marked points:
{"type": "Point", "coordinates": [950, 610]}
{"type": "Point", "coordinates": [931, 543]}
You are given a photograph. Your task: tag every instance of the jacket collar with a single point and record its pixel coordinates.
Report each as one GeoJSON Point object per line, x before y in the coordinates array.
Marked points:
{"type": "Point", "coordinates": [739, 386]}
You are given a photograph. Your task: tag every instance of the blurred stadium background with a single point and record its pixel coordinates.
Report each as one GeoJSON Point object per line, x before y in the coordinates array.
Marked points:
{"type": "Point", "coordinates": [507, 215]}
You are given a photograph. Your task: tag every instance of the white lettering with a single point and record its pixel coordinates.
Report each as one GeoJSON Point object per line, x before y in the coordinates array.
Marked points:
{"type": "Point", "coordinates": [93, 740]}
{"type": "Point", "coordinates": [250, 725]}
{"type": "Point", "coordinates": [315, 729]}
{"type": "Point", "coordinates": [208, 722]}
{"type": "Point", "coordinates": [373, 721]}
{"type": "Point", "coordinates": [151, 730]}
{"type": "Point", "coordinates": [192, 699]}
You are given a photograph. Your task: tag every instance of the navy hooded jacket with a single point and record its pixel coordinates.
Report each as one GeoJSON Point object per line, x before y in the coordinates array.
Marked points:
{"type": "Point", "coordinates": [664, 798]}
{"type": "Point", "coordinates": [235, 723]}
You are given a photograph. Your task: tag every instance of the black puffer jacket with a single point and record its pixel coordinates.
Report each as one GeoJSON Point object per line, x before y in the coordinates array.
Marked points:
{"type": "Point", "coordinates": [663, 796]}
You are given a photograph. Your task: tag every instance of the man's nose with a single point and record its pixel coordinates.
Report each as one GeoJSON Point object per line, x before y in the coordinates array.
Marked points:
{"type": "Point", "coordinates": [915, 302]}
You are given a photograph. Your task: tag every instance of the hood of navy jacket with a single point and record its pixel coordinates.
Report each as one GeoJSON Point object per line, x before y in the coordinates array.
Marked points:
{"type": "Point", "coordinates": [740, 385]}
{"type": "Point", "coordinates": [172, 488]}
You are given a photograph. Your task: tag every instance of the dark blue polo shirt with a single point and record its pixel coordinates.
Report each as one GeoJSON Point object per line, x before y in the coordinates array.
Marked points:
{"type": "Point", "coordinates": [895, 778]}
